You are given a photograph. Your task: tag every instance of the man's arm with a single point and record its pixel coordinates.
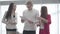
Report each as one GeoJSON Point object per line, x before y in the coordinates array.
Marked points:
{"type": "Point", "coordinates": [36, 20]}
{"type": "Point", "coordinates": [22, 20]}
{"type": "Point", "coordinates": [49, 19]}
{"type": "Point", "coordinates": [43, 19]}
{"type": "Point", "coordinates": [23, 17]}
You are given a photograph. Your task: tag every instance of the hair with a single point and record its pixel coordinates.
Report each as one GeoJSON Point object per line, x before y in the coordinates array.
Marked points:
{"type": "Point", "coordinates": [8, 14]}
{"type": "Point", "coordinates": [44, 12]}
{"type": "Point", "coordinates": [29, 2]}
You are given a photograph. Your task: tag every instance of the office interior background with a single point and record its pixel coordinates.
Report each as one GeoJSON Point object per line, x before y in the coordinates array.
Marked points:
{"type": "Point", "coordinates": [53, 9]}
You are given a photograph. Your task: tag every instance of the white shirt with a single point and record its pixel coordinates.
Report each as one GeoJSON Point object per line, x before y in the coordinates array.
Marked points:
{"type": "Point", "coordinates": [42, 25]}
{"type": "Point", "coordinates": [12, 20]}
{"type": "Point", "coordinates": [31, 15]}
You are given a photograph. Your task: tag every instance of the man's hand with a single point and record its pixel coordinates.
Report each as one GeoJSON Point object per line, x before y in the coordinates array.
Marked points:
{"type": "Point", "coordinates": [22, 19]}
{"type": "Point", "coordinates": [38, 24]}
{"type": "Point", "coordinates": [13, 23]}
{"type": "Point", "coordinates": [30, 21]}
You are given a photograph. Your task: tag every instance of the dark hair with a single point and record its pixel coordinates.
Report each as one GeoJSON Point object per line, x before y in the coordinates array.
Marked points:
{"type": "Point", "coordinates": [44, 12]}
{"type": "Point", "coordinates": [8, 14]}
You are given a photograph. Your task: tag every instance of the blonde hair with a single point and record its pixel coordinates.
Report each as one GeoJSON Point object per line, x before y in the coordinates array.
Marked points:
{"type": "Point", "coordinates": [29, 2]}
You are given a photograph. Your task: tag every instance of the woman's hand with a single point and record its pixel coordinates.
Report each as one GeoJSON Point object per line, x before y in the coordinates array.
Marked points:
{"type": "Point", "coordinates": [43, 19]}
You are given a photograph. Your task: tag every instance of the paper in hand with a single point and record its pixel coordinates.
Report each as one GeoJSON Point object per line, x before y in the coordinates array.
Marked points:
{"type": "Point", "coordinates": [24, 18]}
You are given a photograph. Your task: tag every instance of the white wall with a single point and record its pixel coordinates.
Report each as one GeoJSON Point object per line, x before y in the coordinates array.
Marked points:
{"type": "Point", "coordinates": [45, 1]}
{"type": "Point", "coordinates": [59, 18]}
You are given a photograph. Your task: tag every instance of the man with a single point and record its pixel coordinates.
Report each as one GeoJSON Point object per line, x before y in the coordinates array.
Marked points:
{"type": "Point", "coordinates": [30, 19]}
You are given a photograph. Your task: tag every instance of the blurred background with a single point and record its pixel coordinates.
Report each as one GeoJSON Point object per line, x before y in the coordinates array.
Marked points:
{"type": "Point", "coordinates": [53, 9]}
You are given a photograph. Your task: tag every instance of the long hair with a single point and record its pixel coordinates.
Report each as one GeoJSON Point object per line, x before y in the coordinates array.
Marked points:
{"type": "Point", "coordinates": [44, 12]}
{"type": "Point", "coordinates": [8, 15]}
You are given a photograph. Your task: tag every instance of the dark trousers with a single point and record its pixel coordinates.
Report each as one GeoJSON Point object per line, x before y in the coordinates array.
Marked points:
{"type": "Point", "coordinates": [29, 32]}
{"type": "Point", "coordinates": [11, 31]}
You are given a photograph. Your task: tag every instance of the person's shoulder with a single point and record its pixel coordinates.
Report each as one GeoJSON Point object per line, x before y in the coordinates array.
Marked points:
{"type": "Point", "coordinates": [48, 15]}
{"type": "Point", "coordinates": [25, 11]}
{"type": "Point", "coordinates": [5, 12]}
{"type": "Point", "coordinates": [36, 11]}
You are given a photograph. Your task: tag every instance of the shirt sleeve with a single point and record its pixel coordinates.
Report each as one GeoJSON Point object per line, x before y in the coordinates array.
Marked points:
{"type": "Point", "coordinates": [37, 15]}
{"type": "Point", "coordinates": [49, 19]}
{"type": "Point", "coordinates": [23, 13]}
{"type": "Point", "coordinates": [4, 20]}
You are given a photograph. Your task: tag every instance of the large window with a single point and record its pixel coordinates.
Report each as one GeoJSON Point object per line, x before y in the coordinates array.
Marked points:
{"type": "Point", "coordinates": [59, 18]}
{"type": "Point", "coordinates": [52, 10]}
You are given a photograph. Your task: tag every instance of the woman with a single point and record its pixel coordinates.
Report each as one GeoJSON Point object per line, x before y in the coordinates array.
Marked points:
{"type": "Point", "coordinates": [44, 27]}
{"type": "Point", "coordinates": [10, 19]}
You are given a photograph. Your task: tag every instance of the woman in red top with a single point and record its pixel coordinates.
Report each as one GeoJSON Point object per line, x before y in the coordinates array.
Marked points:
{"type": "Point", "coordinates": [45, 15]}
